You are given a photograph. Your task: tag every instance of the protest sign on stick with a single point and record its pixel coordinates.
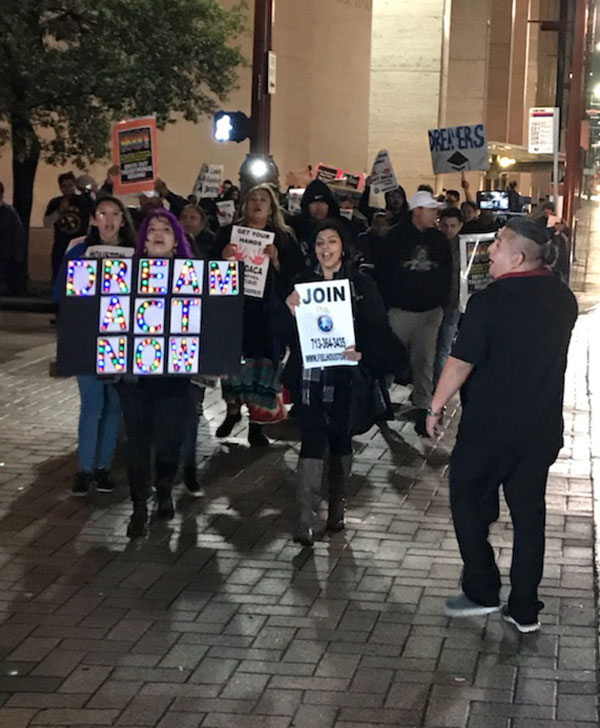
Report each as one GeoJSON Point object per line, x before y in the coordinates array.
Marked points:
{"type": "Point", "coordinates": [225, 212]}
{"type": "Point", "coordinates": [383, 178]}
{"type": "Point", "coordinates": [458, 148]}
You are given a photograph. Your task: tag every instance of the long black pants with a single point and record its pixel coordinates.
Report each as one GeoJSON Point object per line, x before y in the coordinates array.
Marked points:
{"type": "Point", "coordinates": [475, 480]}
{"type": "Point", "coordinates": [154, 412]}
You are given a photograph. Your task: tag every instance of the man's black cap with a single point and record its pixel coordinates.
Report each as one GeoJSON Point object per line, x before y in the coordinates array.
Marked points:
{"type": "Point", "coordinates": [528, 229]}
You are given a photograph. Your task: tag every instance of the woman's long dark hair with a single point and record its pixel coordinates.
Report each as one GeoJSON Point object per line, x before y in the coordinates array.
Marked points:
{"type": "Point", "coordinates": [127, 236]}
{"type": "Point", "coordinates": [345, 230]}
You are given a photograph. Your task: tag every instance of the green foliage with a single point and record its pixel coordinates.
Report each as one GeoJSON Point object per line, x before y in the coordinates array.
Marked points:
{"type": "Point", "coordinates": [69, 68]}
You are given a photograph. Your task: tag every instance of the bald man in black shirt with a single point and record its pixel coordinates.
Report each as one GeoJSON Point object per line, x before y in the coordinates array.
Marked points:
{"type": "Point", "coordinates": [509, 363]}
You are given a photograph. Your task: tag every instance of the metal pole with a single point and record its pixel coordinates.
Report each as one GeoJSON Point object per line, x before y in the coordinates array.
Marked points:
{"type": "Point", "coordinates": [555, 161]}
{"type": "Point", "coordinates": [261, 100]}
{"type": "Point", "coordinates": [576, 108]}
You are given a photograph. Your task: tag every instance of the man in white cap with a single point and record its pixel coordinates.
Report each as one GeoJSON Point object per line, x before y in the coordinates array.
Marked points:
{"type": "Point", "coordinates": [413, 271]}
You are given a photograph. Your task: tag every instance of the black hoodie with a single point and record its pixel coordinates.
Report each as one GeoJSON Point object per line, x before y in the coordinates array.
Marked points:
{"type": "Point", "coordinates": [303, 225]}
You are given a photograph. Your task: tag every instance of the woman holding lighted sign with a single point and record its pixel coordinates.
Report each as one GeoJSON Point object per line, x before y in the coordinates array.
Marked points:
{"type": "Point", "coordinates": [262, 345]}
{"type": "Point", "coordinates": [100, 412]}
{"type": "Point", "coordinates": [325, 395]}
{"type": "Point", "coordinates": [154, 407]}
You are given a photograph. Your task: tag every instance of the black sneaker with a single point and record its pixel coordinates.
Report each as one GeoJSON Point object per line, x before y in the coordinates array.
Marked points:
{"type": "Point", "coordinates": [84, 482]}
{"type": "Point", "coordinates": [190, 480]}
{"type": "Point", "coordinates": [103, 482]}
{"type": "Point", "coordinates": [138, 523]}
{"type": "Point", "coordinates": [523, 628]}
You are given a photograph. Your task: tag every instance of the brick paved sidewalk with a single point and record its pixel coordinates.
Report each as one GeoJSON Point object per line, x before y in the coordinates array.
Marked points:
{"type": "Point", "coordinates": [218, 620]}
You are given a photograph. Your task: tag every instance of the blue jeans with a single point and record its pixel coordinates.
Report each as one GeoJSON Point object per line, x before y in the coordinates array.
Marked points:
{"type": "Point", "coordinates": [99, 423]}
{"type": "Point", "coordinates": [445, 339]}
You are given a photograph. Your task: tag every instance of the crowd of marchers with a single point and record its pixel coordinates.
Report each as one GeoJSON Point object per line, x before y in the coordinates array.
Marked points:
{"type": "Point", "coordinates": [403, 264]}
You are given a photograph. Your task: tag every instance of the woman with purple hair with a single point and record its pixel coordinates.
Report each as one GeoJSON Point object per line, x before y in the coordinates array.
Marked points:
{"type": "Point", "coordinates": [155, 408]}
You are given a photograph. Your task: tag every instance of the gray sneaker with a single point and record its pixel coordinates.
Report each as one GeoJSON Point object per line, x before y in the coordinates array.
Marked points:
{"type": "Point", "coordinates": [523, 628]}
{"type": "Point", "coordinates": [462, 606]}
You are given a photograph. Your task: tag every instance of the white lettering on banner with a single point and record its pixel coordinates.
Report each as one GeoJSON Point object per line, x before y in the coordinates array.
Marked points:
{"type": "Point", "coordinates": [474, 265]}
{"type": "Point", "coordinates": [325, 323]}
{"type": "Point", "coordinates": [250, 247]}
{"type": "Point", "coordinates": [457, 148]}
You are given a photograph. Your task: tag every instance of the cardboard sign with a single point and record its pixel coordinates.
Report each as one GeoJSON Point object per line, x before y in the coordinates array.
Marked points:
{"type": "Point", "coordinates": [250, 246]}
{"type": "Point", "coordinates": [325, 323]}
{"type": "Point", "coordinates": [383, 178]}
{"type": "Point", "coordinates": [225, 212]}
{"type": "Point", "coordinates": [150, 317]}
{"type": "Point", "coordinates": [341, 176]}
{"type": "Point", "coordinates": [208, 182]}
{"type": "Point", "coordinates": [457, 148]}
{"type": "Point", "coordinates": [474, 265]}
{"type": "Point", "coordinates": [135, 154]}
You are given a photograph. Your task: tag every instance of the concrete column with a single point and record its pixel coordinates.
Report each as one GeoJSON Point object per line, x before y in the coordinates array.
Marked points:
{"type": "Point", "coordinates": [406, 82]}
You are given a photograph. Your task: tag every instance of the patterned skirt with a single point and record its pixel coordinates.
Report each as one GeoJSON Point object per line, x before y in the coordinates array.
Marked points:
{"type": "Point", "coordinates": [257, 387]}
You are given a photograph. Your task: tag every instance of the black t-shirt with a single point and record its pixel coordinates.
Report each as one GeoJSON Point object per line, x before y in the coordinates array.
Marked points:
{"type": "Point", "coordinates": [516, 333]}
{"type": "Point", "coordinates": [73, 222]}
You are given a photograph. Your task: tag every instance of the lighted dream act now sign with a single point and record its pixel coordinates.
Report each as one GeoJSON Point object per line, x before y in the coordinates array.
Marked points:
{"type": "Point", "coordinates": [150, 316]}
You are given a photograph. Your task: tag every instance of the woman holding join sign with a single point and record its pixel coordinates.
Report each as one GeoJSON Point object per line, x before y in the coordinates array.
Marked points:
{"type": "Point", "coordinates": [263, 344]}
{"type": "Point", "coordinates": [325, 395]}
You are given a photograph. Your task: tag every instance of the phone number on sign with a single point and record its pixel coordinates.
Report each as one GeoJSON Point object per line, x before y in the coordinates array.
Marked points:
{"type": "Point", "coordinates": [337, 343]}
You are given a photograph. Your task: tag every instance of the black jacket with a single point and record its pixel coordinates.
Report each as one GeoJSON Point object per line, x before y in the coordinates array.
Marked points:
{"type": "Point", "coordinates": [382, 351]}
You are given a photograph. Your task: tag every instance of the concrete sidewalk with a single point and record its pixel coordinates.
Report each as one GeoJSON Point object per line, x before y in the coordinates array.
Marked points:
{"type": "Point", "coordinates": [219, 620]}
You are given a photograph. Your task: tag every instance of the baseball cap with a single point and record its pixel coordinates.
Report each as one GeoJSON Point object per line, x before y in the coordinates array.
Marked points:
{"type": "Point", "coordinates": [424, 199]}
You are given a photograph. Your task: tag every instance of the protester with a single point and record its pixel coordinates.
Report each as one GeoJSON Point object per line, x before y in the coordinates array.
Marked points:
{"type": "Point", "coordinates": [414, 270]}
{"type": "Point", "coordinates": [318, 204]}
{"type": "Point", "coordinates": [395, 204]}
{"type": "Point", "coordinates": [148, 201]}
{"type": "Point", "coordinates": [509, 362]}
{"type": "Point", "coordinates": [369, 241]}
{"type": "Point", "coordinates": [324, 410]}
{"type": "Point", "coordinates": [100, 411]}
{"type": "Point", "coordinates": [357, 219]}
{"type": "Point", "coordinates": [13, 275]}
{"type": "Point", "coordinates": [452, 198]}
{"type": "Point", "coordinates": [450, 225]}
{"type": "Point", "coordinates": [155, 408]}
{"type": "Point", "coordinates": [262, 346]}
{"type": "Point", "coordinates": [176, 202]}
{"type": "Point", "coordinates": [194, 221]}
{"type": "Point", "coordinates": [107, 187]}
{"type": "Point", "coordinates": [69, 215]}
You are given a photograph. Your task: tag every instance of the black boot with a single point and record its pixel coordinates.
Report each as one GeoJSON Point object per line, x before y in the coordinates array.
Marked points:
{"type": "Point", "coordinates": [308, 496]}
{"type": "Point", "coordinates": [138, 523]}
{"type": "Point", "coordinates": [339, 472]}
{"type": "Point", "coordinates": [420, 423]}
{"type": "Point", "coordinates": [225, 428]}
{"type": "Point", "coordinates": [256, 436]}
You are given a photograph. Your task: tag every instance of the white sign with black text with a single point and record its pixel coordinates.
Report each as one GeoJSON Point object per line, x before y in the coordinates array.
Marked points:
{"type": "Point", "coordinates": [325, 323]}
